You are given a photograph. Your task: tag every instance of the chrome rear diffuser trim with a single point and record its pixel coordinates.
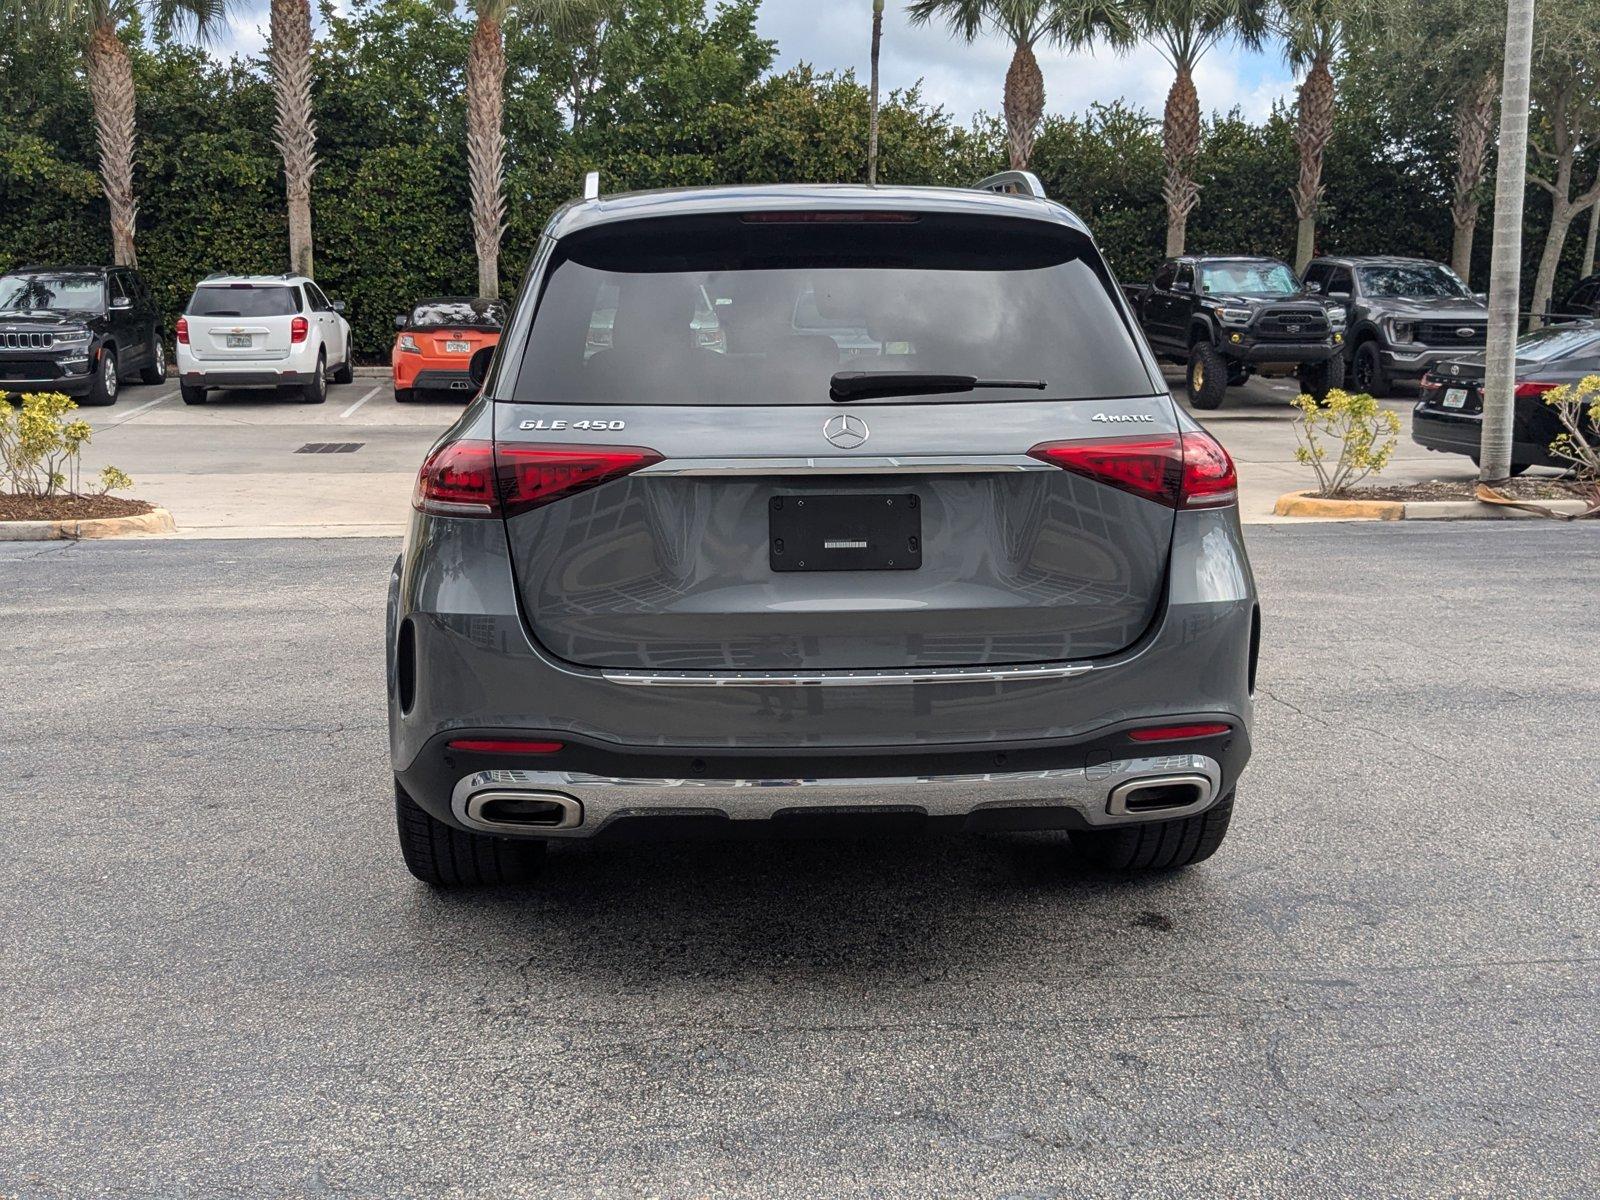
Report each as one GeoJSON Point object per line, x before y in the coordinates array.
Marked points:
{"type": "Point", "coordinates": [842, 678]}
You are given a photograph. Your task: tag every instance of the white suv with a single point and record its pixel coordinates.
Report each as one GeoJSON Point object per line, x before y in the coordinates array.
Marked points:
{"type": "Point", "coordinates": [253, 331]}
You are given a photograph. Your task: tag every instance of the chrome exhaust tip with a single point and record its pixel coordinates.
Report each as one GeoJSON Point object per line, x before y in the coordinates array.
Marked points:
{"type": "Point", "coordinates": [1160, 796]}
{"type": "Point", "coordinates": [503, 811]}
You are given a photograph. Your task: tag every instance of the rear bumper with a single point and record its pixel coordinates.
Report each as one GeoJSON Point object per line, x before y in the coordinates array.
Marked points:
{"type": "Point", "coordinates": [1462, 433]}
{"type": "Point", "coordinates": [461, 659]}
{"type": "Point", "coordinates": [243, 379]}
{"type": "Point", "coordinates": [428, 374]}
{"type": "Point", "coordinates": [1414, 364]}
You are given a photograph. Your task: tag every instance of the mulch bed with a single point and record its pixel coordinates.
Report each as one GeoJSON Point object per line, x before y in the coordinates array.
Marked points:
{"type": "Point", "coordinates": [1465, 489]}
{"type": "Point", "coordinates": [69, 508]}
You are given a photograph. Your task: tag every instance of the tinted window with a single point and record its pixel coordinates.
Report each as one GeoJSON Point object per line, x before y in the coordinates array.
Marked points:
{"type": "Point", "coordinates": [319, 302]}
{"type": "Point", "coordinates": [1557, 341]}
{"type": "Point", "coordinates": [1425, 280]}
{"type": "Point", "coordinates": [1247, 279]}
{"type": "Point", "coordinates": [1340, 280]}
{"type": "Point", "coordinates": [1317, 274]}
{"type": "Point", "coordinates": [724, 311]}
{"type": "Point", "coordinates": [244, 300]}
{"type": "Point", "coordinates": [53, 292]}
{"type": "Point", "coordinates": [1185, 276]}
{"type": "Point", "coordinates": [1165, 274]}
{"type": "Point", "coordinates": [460, 313]}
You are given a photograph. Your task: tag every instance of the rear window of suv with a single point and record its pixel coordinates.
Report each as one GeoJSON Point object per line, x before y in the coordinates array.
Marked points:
{"type": "Point", "coordinates": [765, 309]}
{"type": "Point", "coordinates": [245, 300]}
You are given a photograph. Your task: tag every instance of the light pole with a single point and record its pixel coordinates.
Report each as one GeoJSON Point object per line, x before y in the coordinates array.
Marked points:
{"type": "Point", "coordinates": [1505, 265]}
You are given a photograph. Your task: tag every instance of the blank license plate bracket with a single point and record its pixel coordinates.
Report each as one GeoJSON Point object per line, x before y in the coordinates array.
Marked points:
{"type": "Point", "coordinates": [845, 533]}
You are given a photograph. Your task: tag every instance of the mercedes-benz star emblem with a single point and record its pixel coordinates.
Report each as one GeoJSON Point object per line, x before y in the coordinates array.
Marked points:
{"type": "Point", "coordinates": [845, 431]}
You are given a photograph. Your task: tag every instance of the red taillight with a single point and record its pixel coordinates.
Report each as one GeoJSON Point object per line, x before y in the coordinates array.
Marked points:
{"type": "Point", "coordinates": [298, 328]}
{"type": "Point", "coordinates": [457, 480]}
{"type": "Point", "coordinates": [1177, 733]}
{"type": "Point", "coordinates": [470, 479]}
{"type": "Point", "coordinates": [505, 746]}
{"type": "Point", "coordinates": [534, 475]}
{"type": "Point", "coordinates": [1191, 470]}
{"type": "Point", "coordinates": [182, 331]}
{"type": "Point", "coordinates": [1534, 390]}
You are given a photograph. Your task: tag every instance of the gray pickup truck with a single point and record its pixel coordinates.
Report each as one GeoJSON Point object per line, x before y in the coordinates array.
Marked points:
{"type": "Point", "coordinates": [1228, 317]}
{"type": "Point", "coordinates": [1406, 315]}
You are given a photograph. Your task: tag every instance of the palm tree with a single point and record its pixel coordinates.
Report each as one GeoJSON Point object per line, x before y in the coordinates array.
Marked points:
{"type": "Point", "coordinates": [1311, 31]}
{"type": "Point", "coordinates": [110, 75]}
{"type": "Point", "coordinates": [1071, 23]}
{"type": "Point", "coordinates": [295, 131]}
{"type": "Point", "coordinates": [1182, 31]}
{"type": "Point", "coordinates": [872, 120]}
{"type": "Point", "coordinates": [1494, 451]}
{"type": "Point", "coordinates": [486, 138]}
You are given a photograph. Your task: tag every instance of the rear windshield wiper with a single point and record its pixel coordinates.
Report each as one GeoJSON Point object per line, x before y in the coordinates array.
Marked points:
{"type": "Point", "coordinates": [859, 385]}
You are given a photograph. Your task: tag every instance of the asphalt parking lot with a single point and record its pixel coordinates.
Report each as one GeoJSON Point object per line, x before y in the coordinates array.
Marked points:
{"type": "Point", "coordinates": [236, 467]}
{"type": "Point", "coordinates": [217, 979]}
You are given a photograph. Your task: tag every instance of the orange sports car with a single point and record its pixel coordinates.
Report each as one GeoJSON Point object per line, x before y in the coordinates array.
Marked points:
{"type": "Point", "coordinates": [437, 340]}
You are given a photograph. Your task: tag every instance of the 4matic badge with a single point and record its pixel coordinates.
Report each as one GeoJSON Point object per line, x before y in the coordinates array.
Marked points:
{"type": "Point", "coordinates": [1122, 418]}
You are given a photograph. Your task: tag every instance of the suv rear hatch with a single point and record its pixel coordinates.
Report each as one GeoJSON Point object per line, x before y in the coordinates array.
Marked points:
{"type": "Point", "coordinates": [682, 501]}
{"type": "Point", "coordinates": [243, 321]}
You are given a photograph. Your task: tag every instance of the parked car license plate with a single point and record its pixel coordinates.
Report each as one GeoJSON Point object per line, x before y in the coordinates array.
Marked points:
{"type": "Point", "coordinates": [238, 341]}
{"type": "Point", "coordinates": [845, 533]}
{"type": "Point", "coordinates": [1455, 398]}
{"type": "Point", "coordinates": [454, 347]}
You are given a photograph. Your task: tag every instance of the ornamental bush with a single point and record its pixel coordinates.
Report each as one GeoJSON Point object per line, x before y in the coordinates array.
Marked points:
{"type": "Point", "coordinates": [1365, 431]}
{"type": "Point", "coordinates": [40, 444]}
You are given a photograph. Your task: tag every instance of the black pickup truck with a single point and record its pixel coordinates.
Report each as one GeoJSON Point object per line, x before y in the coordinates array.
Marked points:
{"type": "Point", "coordinates": [1229, 317]}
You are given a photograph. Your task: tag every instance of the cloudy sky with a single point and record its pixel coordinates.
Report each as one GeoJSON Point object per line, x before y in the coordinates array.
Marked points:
{"type": "Point", "coordinates": [835, 34]}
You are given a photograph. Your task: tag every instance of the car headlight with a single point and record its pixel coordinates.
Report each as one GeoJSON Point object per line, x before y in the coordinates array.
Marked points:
{"type": "Point", "coordinates": [407, 342]}
{"type": "Point", "coordinates": [1402, 331]}
{"type": "Point", "coordinates": [1235, 316]}
{"type": "Point", "coordinates": [1337, 318]}
{"type": "Point", "coordinates": [72, 339]}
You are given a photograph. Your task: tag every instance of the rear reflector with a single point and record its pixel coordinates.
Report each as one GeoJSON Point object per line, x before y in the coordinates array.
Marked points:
{"type": "Point", "coordinates": [1189, 470]}
{"type": "Point", "coordinates": [1177, 733]}
{"type": "Point", "coordinates": [472, 479]}
{"type": "Point", "coordinates": [505, 746]}
{"type": "Point", "coordinates": [531, 476]}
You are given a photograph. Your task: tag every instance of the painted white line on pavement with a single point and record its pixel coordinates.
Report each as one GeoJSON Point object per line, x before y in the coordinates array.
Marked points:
{"type": "Point", "coordinates": [349, 411]}
{"type": "Point", "coordinates": [147, 405]}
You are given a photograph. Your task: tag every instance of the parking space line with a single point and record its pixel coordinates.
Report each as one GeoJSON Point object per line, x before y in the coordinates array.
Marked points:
{"type": "Point", "coordinates": [351, 410]}
{"type": "Point", "coordinates": [145, 407]}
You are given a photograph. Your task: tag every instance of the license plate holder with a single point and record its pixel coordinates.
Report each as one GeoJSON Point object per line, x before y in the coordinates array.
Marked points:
{"type": "Point", "coordinates": [845, 532]}
{"type": "Point", "coordinates": [1454, 398]}
{"type": "Point", "coordinates": [238, 341]}
{"type": "Point", "coordinates": [457, 347]}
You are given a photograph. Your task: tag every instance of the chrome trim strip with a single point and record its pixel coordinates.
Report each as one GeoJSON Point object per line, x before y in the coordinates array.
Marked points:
{"type": "Point", "coordinates": [1085, 789]}
{"type": "Point", "coordinates": [844, 464]}
{"type": "Point", "coordinates": [900, 678]}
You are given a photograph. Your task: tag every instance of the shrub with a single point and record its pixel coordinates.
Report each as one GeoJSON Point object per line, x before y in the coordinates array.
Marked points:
{"type": "Point", "coordinates": [1577, 407]}
{"type": "Point", "coordinates": [40, 444]}
{"type": "Point", "coordinates": [1366, 432]}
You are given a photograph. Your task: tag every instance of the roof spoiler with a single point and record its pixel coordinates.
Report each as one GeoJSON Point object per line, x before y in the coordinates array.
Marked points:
{"type": "Point", "coordinates": [1013, 183]}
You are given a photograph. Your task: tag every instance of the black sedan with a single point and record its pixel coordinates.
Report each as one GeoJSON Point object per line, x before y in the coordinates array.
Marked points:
{"type": "Point", "coordinates": [1449, 417]}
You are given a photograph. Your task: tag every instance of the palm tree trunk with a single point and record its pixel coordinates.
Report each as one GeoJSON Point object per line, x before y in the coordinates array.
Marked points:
{"type": "Point", "coordinates": [872, 122]}
{"type": "Point", "coordinates": [1024, 105]}
{"type": "Point", "coordinates": [1180, 148]}
{"type": "Point", "coordinates": [111, 93]}
{"type": "Point", "coordinates": [1474, 123]}
{"type": "Point", "coordinates": [1494, 452]}
{"type": "Point", "coordinates": [295, 131]}
{"type": "Point", "coordinates": [486, 69]}
{"type": "Point", "coordinates": [1312, 131]}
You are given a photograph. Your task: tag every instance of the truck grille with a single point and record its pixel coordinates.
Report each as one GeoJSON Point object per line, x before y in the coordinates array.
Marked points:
{"type": "Point", "coordinates": [27, 341]}
{"type": "Point", "coordinates": [1292, 324]}
{"type": "Point", "coordinates": [1451, 333]}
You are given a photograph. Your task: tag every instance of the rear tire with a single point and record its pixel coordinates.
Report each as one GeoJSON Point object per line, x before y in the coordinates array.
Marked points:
{"type": "Point", "coordinates": [1318, 379]}
{"type": "Point", "coordinates": [404, 395]}
{"type": "Point", "coordinates": [192, 394]}
{"type": "Point", "coordinates": [315, 389]}
{"type": "Point", "coordinates": [443, 856]}
{"type": "Point", "coordinates": [1366, 371]}
{"type": "Point", "coordinates": [1207, 377]}
{"type": "Point", "coordinates": [156, 372]}
{"type": "Point", "coordinates": [344, 373]}
{"type": "Point", "coordinates": [1157, 845]}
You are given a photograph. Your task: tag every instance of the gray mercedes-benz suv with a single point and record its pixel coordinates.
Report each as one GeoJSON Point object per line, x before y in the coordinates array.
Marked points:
{"type": "Point", "coordinates": [912, 534]}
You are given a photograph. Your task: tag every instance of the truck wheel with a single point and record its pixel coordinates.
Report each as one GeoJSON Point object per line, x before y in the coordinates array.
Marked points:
{"type": "Point", "coordinates": [1367, 373]}
{"type": "Point", "coordinates": [443, 856]}
{"type": "Point", "coordinates": [1157, 845]}
{"type": "Point", "coordinates": [1208, 376]}
{"type": "Point", "coordinates": [1318, 379]}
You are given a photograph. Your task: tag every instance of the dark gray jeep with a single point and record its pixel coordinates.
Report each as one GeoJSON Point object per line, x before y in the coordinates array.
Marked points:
{"type": "Point", "coordinates": [795, 506]}
{"type": "Point", "coordinates": [1406, 315]}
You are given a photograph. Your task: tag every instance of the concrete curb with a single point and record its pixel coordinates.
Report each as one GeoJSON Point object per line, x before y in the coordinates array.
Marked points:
{"type": "Point", "coordinates": [1304, 504]}
{"type": "Point", "coordinates": [154, 522]}
{"type": "Point", "coordinates": [372, 372]}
